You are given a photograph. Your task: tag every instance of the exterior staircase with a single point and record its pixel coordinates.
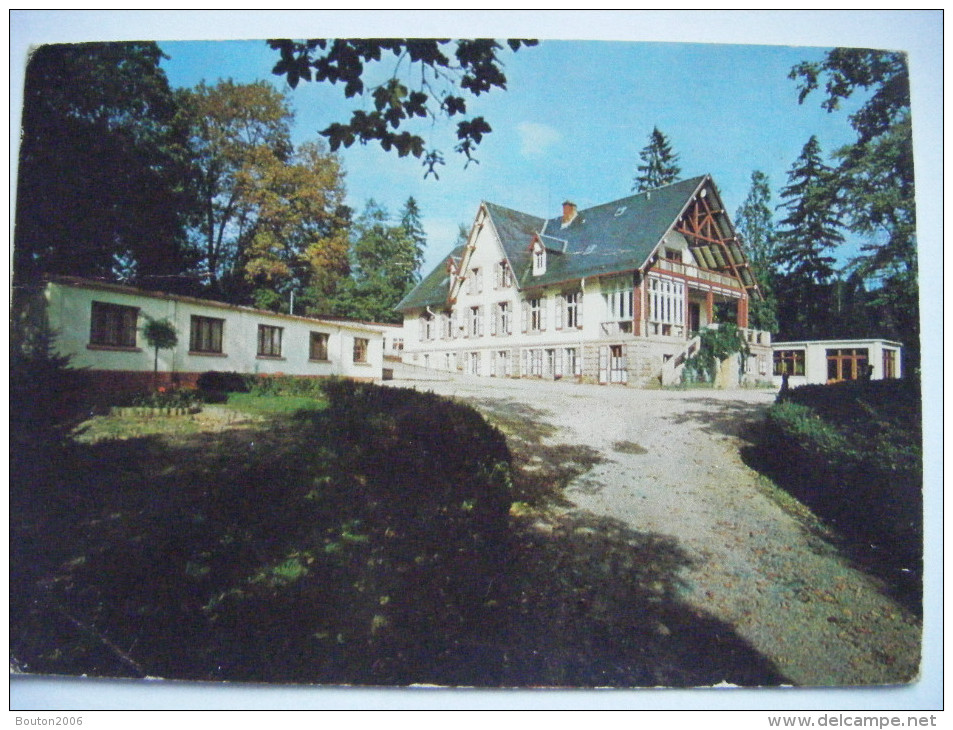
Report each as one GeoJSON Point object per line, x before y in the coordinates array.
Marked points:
{"type": "Point", "coordinates": [673, 367]}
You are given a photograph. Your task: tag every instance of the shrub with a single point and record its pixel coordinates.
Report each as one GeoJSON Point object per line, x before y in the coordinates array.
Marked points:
{"type": "Point", "coordinates": [852, 452]}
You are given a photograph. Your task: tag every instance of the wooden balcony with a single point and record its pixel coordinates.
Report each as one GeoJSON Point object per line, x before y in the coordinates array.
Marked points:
{"type": "Point", "coordinates": [690, 271]}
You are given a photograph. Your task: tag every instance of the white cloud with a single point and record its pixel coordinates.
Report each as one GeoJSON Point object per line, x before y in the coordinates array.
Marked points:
{"type": "Point", "coordinates": [536, 139]}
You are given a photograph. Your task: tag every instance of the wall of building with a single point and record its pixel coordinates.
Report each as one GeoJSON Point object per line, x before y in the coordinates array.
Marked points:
{"type": "Point", "coordinates": [70, 315]}
{"type": "Point", "coordinates": [815, 358]}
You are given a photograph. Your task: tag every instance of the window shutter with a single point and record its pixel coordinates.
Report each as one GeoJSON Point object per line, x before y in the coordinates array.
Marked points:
{"type": "Point", "coordinates": [494, 321]}
{"type": "Point", "coordinates": [559, 363]}
{"type": "Point", "coordinates": [543, 306]}
{"type": "Point", "coordinates": [560, 307]}
{"type": "Point", "coordinates": [579, 298]}
{"type": "Point", "coordinates": [604, 364]}
{"type": "Point", "coordinates": [625, 364]}
{"type": "Point", "coordinates": [524, 315]}
{"type": "Point", "coordinates": [479, 316]}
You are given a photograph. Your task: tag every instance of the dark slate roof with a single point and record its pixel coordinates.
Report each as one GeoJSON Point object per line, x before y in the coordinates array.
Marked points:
{"type": "Point", "coordinates": [433, 289]}
{"type": "Point", "coordinates": [613, 237]}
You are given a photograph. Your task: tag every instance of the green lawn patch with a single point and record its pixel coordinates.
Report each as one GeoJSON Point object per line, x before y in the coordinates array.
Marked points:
{"type": "Point", "coordinates": [273, 404]}
{"type": "Point", "coordinates": [852, 453]}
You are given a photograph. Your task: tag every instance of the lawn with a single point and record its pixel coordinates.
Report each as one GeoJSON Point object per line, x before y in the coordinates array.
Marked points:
{"type": "Point", "coordinates": [366, 537]}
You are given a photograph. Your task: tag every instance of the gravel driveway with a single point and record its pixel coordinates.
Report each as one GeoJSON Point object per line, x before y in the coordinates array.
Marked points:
{"type": "Point", "coordinates": [669, 464]}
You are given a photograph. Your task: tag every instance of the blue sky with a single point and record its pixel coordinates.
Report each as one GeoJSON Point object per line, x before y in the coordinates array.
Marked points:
{"type": "Point", "coordinates": [571, 124]}
{"type": "Point", "coordinates": [576, 112]}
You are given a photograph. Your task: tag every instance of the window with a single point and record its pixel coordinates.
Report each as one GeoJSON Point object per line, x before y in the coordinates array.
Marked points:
{"type": "Point", "coordinates": [618, 296]}
{"type": "Point", "coordinates": [205, 335]}
{"type": "Point", "coordinates": [504, 276]}
{"type": "Point", "coordinates": [319, 346]}
{"type": "Point", "coordinates": [446, 325]}
{"type": "Point", "coordinates": [502, 322]}
{"type": "Point", "coordinates": [572, 304]}
{"type": "Point", "coordinates": [889, 363]}
{"type": "Point", "coordinates": [673, 254]}
{"type": "Point", "coordinates": [472, 363]}
{"type": "Point", "coordinates": [113, 325]}
{"type": "Point", "coordinates": [426, 327]}
{"type": "Point", "coordinates": [573, 365]}
{"type": "Point", "coordinates": [847, 364]}
{"type": "Point", "coordinates": [360, 349]}
{"type": "Point", "coordinates": [534, 314]}
{"type": "Point", "coordinates": [789, 361]}
{"type": "Point", "coordinates": [666, 304]}
{"type": "Point", "coordinates": [269, 341]}
{"type": "Point", "coordinates": [475, 322]}
{"type": "Point", "coordinates": [475, 282]}
{"type": "Point", "coordinates": [539, 260]}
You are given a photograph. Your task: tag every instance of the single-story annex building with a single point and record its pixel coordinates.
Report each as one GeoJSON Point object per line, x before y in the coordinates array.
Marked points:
{"type": "Point", "coordinates": [816, 362]}
{"type": "Point", "coordinates": [99, 326]}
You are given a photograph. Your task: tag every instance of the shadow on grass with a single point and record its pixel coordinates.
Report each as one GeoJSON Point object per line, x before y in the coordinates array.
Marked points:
{"type": "Point", "coordinates": [200, 557]}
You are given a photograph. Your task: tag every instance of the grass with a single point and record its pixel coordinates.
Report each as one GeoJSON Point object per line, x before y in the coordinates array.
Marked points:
{"type": "Point", "coordinates": [273, 404]}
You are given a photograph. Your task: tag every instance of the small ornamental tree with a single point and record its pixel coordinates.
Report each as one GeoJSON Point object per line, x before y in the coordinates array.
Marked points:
{"type": "Point", "coordinates": [161, 335]}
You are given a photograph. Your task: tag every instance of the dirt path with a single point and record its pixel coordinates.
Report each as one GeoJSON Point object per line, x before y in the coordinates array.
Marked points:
{"type": "Point", "coordinates": [669, 464]}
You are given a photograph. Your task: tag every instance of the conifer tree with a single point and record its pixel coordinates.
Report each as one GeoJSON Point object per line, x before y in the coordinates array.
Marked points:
{"type": "Point", "coordinates": [659, 164]}
{"type": "Point", "coordinates": [754, 222]}
{"type": "Point", "coordinates": [809, 233]}
{"type": "Point", "coordinates": [414, 227]}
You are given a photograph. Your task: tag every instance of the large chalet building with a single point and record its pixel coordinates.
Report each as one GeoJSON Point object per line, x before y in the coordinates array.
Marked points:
{"type": "Point", "coordinates": [611, 294]}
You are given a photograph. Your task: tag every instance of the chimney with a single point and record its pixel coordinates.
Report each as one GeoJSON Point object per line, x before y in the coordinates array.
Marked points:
{"type": "Point", "coordinates": [569, 213]}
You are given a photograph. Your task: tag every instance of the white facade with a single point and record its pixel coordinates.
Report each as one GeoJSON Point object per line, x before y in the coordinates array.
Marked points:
{"type": "Point", "coordinates": [629, 326]}
{"type": "Point", "coordinates": [99, 326]}
{"type": "Point", "coordinates": [816, 362]}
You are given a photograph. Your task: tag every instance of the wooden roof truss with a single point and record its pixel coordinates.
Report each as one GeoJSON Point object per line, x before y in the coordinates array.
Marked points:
{"type": "Point", "coordinates": [712, 240]}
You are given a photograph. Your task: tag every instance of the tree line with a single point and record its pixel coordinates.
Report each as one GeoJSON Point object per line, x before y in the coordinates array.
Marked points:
{"type": "Point", "coordinates": [866, 190]}
{"type": "Point", "coordinates": [202, 191]}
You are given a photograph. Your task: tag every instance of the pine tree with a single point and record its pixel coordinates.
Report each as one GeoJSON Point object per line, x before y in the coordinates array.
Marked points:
{"type": "Point", "coordinates": [410, 220]}
{"type": "Point", "coordinates": [754, 222]}
{"type": "Point", "coordinates": [659, 164]}
{"type": "Point", "coordinates": [808, 235]}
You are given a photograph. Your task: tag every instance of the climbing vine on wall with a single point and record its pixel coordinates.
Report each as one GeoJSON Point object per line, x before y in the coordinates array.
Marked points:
{"type": "Point", "coordinates": [714, 347]}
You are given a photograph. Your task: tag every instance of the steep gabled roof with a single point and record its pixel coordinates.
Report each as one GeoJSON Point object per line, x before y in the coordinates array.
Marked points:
{"type": "Point", "coordinates": [605, 239]}
{"type": "Point", "coordinates": [432, 291]}
{"type": "Point", "coordinates": [612, 237]}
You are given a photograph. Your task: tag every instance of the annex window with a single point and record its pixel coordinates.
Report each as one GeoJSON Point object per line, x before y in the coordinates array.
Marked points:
{"type": "Point", "coordinates": [889, 363]}
{"type": "Point", "coordinates": [360, 349]}
{"type": "Point", "coordinates": [205, 335]}
{"type": "Point", "coordinates": [269, 341]}
{"type": "Point", "coordinates": [113, 325]}
{"type": "Point", "coordinates": [318, 349]}
{"type": "Point", "coordinates": [789, 361]}
{"type": "Point", "coordinates": [847, 364]}
{"type": "Point", "coordinates": [618, 295]}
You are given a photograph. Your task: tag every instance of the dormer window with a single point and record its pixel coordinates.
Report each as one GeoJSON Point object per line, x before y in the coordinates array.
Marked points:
{"type": "Point", "coordinates": [539, 258]}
